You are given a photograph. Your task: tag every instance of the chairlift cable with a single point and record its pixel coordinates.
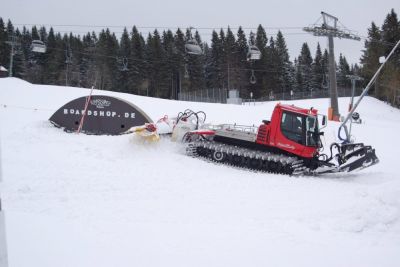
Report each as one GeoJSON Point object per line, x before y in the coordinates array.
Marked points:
{"type": "Point", "coordinates": [153, 27]}
{"type": "Point", "coordinates": [390, 44]}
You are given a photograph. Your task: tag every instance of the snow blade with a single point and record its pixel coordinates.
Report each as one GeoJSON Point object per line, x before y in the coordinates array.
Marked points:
{"type": "Point", "coordinates": [356, 157]}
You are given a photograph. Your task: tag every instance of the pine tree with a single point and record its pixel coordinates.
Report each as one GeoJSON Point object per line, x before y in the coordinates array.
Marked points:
{"type": "Point", "coordinates": [106, 60]}
{"type": "Point", "coordinates": [273, 78]}
{"type": "Point", "coordinates": [344, 70]}
{"type": "Point", "coordinates": [19, 65]}
{"type": "Point", "coordinates": [86, 66]}
{"type": "Point", "coordinates": [25, 49]}
{"type": "Point", "coordinates": [230, 52]}
{"type": "Point", "coordinates": [54, 59]}
{"type": "Point", "coordinates": [325, 69]}
{"type": "Point", "coordinates": [390, 81]}
{"type": "Point", "coordinates": [74, 58]}
{"type": "Point", "coordinates": [242, 79]}
{"type": "Point", "coordinates": [261, 87]}
{"type": "Point", "coordinates": [180, 69]}
{"type": "Point", "coordinates": [66, 73]}
{"type": "Point", "coordinates": [318, 69]}
{"type": "Point", "coordinates": [26, 41]}
{"type": "Point", "coordinates": [370, 58]}
{"type": "Point", "coordinates": [285, 67]}
{"type": "Point", "coordinates": [214, 66]}
{"type": "Point", "coordinates": [193, 66]}
{"type": "Point", "coordinates": [325, 62]}
{"type": "Point", "coordinates": [355, 69]}
{"type": "Point", "coordinates": [390, 84]}
{"type": "Point", "coordinates": [158, 72]}
{"type": "Point", "coordinates": [124, 54]}
{"type": "Point", "coordinates": [261, 40]}
{"type": "Point", "coordinates": [223, 64]}
{"type": "Point", "coordinates": [4, 48]}
{"type": "Point", "coordinates": [138, 67]}
{"type": "Point", "coordinates": [298, 76]}
{"type": "Point", "coordinates": [391, 33]}
{"type": "Point", "coordinates": [305, 67]}
{"type": "Point", "coordinates": [170, 58]}
{"type": "Point", "coordinates": [8, 35]}
{"type": "Point", "coordinates": [43, 34]}
{"type": "Point", "coordinates": [196, 69]}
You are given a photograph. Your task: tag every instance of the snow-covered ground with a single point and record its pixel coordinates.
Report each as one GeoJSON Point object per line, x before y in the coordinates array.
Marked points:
{"type": "Point", "coordinates": [77, 200]}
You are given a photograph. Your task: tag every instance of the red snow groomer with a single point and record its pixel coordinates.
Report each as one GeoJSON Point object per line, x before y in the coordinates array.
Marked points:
{"type": "Point", "coordinates": [289, 143]}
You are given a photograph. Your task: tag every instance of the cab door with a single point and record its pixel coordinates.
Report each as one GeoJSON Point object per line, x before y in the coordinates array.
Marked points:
{"type": "Point", "coordinates": [290, 133]}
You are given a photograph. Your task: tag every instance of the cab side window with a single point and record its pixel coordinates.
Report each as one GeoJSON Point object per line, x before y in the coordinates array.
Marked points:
{"type": "Point", "coordinates": [292, 127]}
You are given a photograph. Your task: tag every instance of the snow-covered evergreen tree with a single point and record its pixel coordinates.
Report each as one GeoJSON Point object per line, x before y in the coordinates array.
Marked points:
{"type": "Point", "coordinates": [242, 75]}
{"type": "Point", "coordinates": [343, 71]}
{"type": "Point", "coordinates": [284, 65]}
{"type": "Point", "coordinates": [318, 69]}
{"type": "Point", "coordinates": [305, 68]}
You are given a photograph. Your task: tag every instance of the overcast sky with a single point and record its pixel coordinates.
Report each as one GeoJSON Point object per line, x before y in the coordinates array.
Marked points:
{"type": "Point", "coordinates": [206, 15]}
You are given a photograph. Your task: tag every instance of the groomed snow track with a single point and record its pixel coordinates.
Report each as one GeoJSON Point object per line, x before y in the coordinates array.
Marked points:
{"type": "Point", "coordinates": [246, 158]}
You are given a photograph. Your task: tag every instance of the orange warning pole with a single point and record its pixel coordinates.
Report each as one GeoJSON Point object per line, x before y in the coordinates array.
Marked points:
{"type": "Point", "coordinates": [84, 111]}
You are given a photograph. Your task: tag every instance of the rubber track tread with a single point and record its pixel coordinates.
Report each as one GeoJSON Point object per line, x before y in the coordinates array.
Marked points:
{"type": "Point", "coordinates": [246, 158]}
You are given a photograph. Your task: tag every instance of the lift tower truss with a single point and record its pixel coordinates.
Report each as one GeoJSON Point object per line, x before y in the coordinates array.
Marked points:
{"type": "Point", "coordinates": [329, 28]}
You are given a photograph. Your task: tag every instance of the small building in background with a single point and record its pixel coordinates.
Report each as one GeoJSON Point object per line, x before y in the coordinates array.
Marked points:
{"type": "Point", "coordinates": [234, 97]}
{"type": "Point", "coordinates": [3, 72]}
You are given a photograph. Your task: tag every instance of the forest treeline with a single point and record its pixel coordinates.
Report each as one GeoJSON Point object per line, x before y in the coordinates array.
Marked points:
{"type": "Point", "coordinates": [158, 65]}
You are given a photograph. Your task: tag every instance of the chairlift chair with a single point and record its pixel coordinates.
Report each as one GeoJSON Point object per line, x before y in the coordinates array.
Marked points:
{"type": "Point", "coordinates": [193, 48]}
{"type": "Point", "coordinates": [38, 46]}
{"type": "Point", "coordinates": [253, 79]}
{"type": "Point", "coordinates": [32, 61]}
{"type": "Point", "coordinates": [253, 53]}
{"type": "Point", "coordinates": [68, 60]}
{"type": "Point", "coordinates": [124, 66]}
{"type": "Point", "coordinates": [68, 57]}
{"type": "Point", "coordinates": [186, 73]}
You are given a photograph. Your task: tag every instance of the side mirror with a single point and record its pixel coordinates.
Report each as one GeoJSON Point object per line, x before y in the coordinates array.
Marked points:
{"type": "Point", "coordinates": [323, 120]}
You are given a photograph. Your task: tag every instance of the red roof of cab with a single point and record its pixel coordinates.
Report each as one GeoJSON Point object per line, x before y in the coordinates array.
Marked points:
{"type": "Point", "coordinates": [293, 108]}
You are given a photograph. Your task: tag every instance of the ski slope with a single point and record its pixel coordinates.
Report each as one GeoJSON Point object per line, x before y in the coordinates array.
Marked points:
{"type": "Point", "coordinates": [77, 200]}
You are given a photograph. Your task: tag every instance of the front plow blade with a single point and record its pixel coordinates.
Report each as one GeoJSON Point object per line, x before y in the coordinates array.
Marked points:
{"type": "Point", "coordinates": [357, 157]}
